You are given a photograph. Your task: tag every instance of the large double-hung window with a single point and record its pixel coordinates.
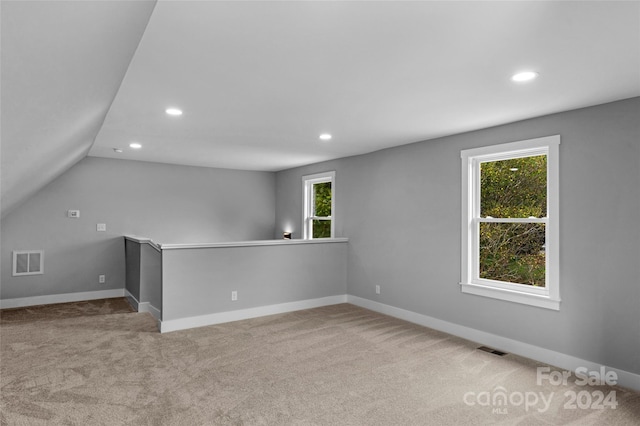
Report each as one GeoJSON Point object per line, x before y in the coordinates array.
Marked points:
{"type": "Point", "coordinates": [510, 222]}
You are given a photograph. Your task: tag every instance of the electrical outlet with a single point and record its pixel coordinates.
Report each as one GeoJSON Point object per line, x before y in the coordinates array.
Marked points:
{"type": "Point", "coordinates": [101, 227]}
{"type": "Point", "coordinates": [74, 214]}
{"type": "Point", "coordinates": [234, 296]}
{"type": "Point", "coordinates": [377, 289]}
{"type": "Point", "coordinates": [102, 279]}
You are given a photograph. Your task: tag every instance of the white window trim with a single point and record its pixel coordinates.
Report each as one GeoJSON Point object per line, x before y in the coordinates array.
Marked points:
{"type": "Point", "coordinates": [307, 202]}
{"type": "Point", "coordinates": [547, 297]}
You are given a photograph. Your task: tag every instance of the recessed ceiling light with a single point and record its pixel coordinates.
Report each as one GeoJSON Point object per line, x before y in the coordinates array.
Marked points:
{"type": "Point", "coordinates": [173, 111]}
{"type": "Point", "coordinates": [118, 150]}
{"type": "Point", "coordinates": [325, 136]}
{"type": "Point", "coordinates": [135, 145]}
{"type": "Point", "coordinates": [524, 76]}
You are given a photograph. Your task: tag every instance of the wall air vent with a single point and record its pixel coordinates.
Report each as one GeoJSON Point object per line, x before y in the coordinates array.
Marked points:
{"type": "Point", "coordinates": [28, 262]}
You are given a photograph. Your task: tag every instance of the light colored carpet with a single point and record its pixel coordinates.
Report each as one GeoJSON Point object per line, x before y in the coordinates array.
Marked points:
{"type": "Point", "coordinates": [336, 365]}
{"type": "Point", "coordinates": [118, 305]}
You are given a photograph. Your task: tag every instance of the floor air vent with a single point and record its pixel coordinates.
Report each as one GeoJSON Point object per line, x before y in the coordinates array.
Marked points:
{"type": "Point", "coordinates": [492, 351]}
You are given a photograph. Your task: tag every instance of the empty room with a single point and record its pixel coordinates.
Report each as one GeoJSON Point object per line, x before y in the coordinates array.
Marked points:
{"type": "Point", "coordinates": [320, 212]}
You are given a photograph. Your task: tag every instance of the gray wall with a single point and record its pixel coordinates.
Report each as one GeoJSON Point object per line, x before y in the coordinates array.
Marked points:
{"type": "Point", "coordinates": [143, 273]}
{"type": "Point", "coordinates": [400, 209]}
{"type": "Point", "coordinates": [133, 258]}
{"type": "Point", "coordinates": [200, 281]}
{"type": "Point", "coordinates": [151, 276]}
{"type": "Point", "coordinates": [171, 204]}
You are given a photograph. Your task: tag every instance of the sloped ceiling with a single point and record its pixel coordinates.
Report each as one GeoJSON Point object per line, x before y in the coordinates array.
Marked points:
{"type": "Point", "coordinates": [259, 81]}
{"type": "Point", "coordinates": [62, 65]}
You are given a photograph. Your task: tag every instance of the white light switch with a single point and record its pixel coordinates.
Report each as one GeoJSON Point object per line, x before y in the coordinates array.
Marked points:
{"type": "Point", "coordinates": [73, 214]}
{"type": "Point", "coordinates": [101, 227]}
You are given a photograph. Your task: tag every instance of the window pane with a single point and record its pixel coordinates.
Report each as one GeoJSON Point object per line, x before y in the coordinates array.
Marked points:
{"type": "Point", "coordinates": [322, 199]}
{"type": "Point", "coordinates": [514, 188]}
{"type": "Point", "coordinates": [513, 252]}
{"type": "Point", "coordinates": [321, 228]}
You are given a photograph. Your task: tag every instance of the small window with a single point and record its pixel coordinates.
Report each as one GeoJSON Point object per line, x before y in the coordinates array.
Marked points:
{"type": "Point", "coordinates": [28, 262]}
{"type": "Point", "coordinates": [510, 222]}
{"type": "Point", "coordinates": [319, 205]}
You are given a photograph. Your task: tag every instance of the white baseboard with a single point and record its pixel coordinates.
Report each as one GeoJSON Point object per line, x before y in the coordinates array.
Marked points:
{"type": "Point", "coordinates": [567, 362]}
{"type": "Point", "coordinates": [143, 306]}
{"type": "Point", "coordinates": [148, 307]}
{"type": "Point", "coordinates": [60, 298]}
{"type": "Point", "coordinates": [241, 314]}
{"type": "Point", "coordinates": [131, 299]}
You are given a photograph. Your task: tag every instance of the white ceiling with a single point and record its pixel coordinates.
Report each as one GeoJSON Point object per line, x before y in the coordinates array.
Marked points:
{"type": "Point", "coordinates": [259, 81]}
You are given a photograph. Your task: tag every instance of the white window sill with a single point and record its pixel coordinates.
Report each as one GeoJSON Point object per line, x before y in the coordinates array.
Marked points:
{"type": "Point", "coordinates": [541, 301]}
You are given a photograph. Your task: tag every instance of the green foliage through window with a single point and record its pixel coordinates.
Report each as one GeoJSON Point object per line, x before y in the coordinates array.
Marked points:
{"type": "Point", "coordinates": [513, 188]}
{"type": "Point", "coordinates": [322, 199]}
{"type": "Point", "coordinates": [321, 228]}
{"type": "Point", "coordinates": [513, 252]}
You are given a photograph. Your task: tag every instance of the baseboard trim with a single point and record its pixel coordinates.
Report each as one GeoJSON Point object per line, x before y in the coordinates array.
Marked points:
{"type": "Point", "coordinates": [567, 362]}
{"type": "Point", "coordinates": [143, 306]}
{"type": "Point", "coordinates": [148, 307]}
{"type": "Point", "coordinates": [241, 314]}
{"type": "Point", "coordinates": [60, 298]}
{"type": "Point", "coordinates": [131, 299]}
